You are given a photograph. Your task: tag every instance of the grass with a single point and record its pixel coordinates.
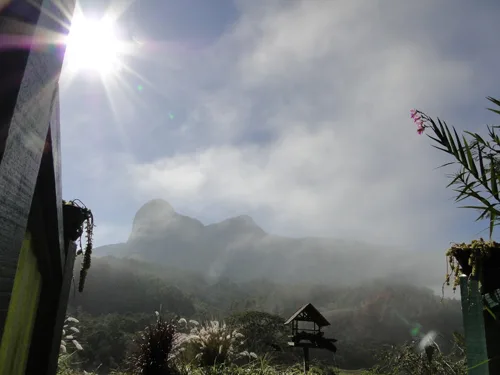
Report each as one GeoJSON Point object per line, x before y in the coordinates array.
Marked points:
{"type": "Point", "coordinates": [255, 368]}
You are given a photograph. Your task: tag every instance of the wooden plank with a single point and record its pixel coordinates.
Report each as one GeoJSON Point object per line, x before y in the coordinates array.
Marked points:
{"type": "Point", "coordinates": [302, 345]}
{"type": "Point", "coordinates": [19, 151]}
{"type": "Point", "coordinates": [55, 136]}
{"type": "Point", "coordinates": [62, 307]}
{"type": "Point", "coordinates": [15, 345]}
{"type": "Point", "coordinates": [27, 104]}
{"type": "Point", "coordinates": [45, 346]}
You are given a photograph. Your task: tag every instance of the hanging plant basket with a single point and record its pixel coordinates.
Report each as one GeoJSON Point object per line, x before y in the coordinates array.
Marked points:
{"type": "Point", "coordinates": [74, 217]}
{"type": "Point", "coordinates": [479, 260]}
{"type": "Point", "coordinates": [77, 220]}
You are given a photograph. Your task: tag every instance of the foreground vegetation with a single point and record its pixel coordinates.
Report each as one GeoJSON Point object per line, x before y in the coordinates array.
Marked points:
{"type": "Point", "coordinates": [212, 348]}
{"type": "Point", "coordinates": [120, 294]}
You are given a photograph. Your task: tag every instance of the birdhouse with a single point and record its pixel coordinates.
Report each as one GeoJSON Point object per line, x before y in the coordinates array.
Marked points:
{"type": "Point", "coordinates": [306, 324]}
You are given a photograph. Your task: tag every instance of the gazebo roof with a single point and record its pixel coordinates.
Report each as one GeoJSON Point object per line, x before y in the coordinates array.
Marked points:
{"type": "Point", "coordinates": [308, 313]}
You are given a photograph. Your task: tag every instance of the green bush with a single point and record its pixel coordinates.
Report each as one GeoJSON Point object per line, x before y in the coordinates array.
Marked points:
{"type": "Point", "coordinates": [155, 349]}
{"type": "Point", "coordinates": [213, 343]}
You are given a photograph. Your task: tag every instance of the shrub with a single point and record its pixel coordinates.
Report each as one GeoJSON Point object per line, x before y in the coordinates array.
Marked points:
{"type": "Point", "coordinates": [155, 349]}
{"type": "Point", "coordinates": [425, 358]}
{"type": "Point", "coordinates": [214, 343]}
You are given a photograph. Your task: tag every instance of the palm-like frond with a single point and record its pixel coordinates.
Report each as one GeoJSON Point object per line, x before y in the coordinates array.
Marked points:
{"type": "Point", "coordinates": [479, 160]}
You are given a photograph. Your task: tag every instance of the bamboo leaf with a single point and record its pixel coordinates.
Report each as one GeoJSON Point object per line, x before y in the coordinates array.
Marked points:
{"type": "Point", "coordinates": [494, 184]}
{"type": "Point", "coordinates": [455, 179]}
{"type": "Point", "coordinates": [466, 192]}
{"type": "Point", "coordinates": [436, 130]}
{"type": "Point", "coordinates": [446, 164]}
{"type": "Point", "coordinates": [493, 217]}
{"type": "Point", "coordinates": [493, 100]}
{"type": "Point", "coordinates": [494, 110]}
{"type": "Point", "coordinates": [460, 148]}
{"type": "Point", "coordinates": [442, 149]}
{"type": "Point", "coordinates": [496, 102]}
{"type": "Point", "coordinates": [474, 207]}
{"type": "Point", "coordinates": [476, 136]}
{"type": "Point", "coordinates": [435, 139]}
{"type": "Point", "coordinates": [484, 214]}
{"type": "Point", "coordinates": [480, 198]}
{"type": "Point", "coordinates": [450, 139]}
{"type": "Point", "coordinates": [484, 177]}
{"type": "Point", "coordinates": [470, 159]}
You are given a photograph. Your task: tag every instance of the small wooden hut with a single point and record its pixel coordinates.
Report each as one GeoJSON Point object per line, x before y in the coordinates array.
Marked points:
{"type": "Point", "coordinates": [306, 324]}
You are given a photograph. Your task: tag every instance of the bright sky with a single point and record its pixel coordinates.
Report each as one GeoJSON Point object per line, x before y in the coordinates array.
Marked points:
{"type": "Point", "coordinates": [295, 112]}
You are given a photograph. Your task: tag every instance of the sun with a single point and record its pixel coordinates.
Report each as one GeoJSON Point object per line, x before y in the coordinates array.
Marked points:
{"type": "Point", "coordinates": [93, 45]}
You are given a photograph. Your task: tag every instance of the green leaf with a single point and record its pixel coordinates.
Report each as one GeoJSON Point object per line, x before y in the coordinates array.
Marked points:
{"type": "Point", "coordinates": [441, 149]}
{"type": "Point", "coordinates": [496, 102]}
{"type": "Point", "coordinates": [494, 110]}
{"type": "Point", "coordinates": [470, 159]}
{"type": "Point", "coordinates": [493, 100]}
{"type": "Point", "coordinates": [466, 192]}
{"type": "Point", "coordinates": [480, 198]}
{"type": "Point", "coordinates": [484, 177]}
{"type": "Point", "coordinates": [493, 217]}
{"type": "Point", "coordinates": [455, 179]}
{"type": "Point", "coordinates": [494, 184]}
{"type": "Point", "coordinates": [446, 164]}
{"type": "Point", "coordinates": [460, 148]}
{"type": "Point", "coordinates": [473, 207]}
{"type": "Point", "coordinates": [483, 215]}
{"type": "Point", "coordinates": [450, 140]}
{"type": "Point", "coordinates": [476, 136]}
{"type": "Point", "coordinates": [434, 139]}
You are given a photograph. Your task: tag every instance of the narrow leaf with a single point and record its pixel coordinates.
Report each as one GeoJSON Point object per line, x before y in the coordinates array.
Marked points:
{"type": "Point", "coordinates": [484, 177]}
{"type": "Point", "coordinates": [470, 159]}
{"type": "Point", "coordinates": [446, 164]}
{"type": "Point", "coordinates": [441, 149]}
{"type": "Point", "coordinates": [493, 217]}
{"type": "Point", "coordinates": [494, 184]}
{"type": "Point", "coordinates": [455, 179]}
{"type": "Point", "coordinates": [451, 141]}
{"type": "Point", "coordinates": [460, 148]}
{"type": "Point", "coordinates": [476, 136]}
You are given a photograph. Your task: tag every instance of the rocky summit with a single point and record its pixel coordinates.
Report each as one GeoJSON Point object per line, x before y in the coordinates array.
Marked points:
{"type": "Point", "coordinates": [237, 248]}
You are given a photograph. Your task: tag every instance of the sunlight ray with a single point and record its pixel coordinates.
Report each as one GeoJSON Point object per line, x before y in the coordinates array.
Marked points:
{"type": "Point", "coordinates": [60, 6]}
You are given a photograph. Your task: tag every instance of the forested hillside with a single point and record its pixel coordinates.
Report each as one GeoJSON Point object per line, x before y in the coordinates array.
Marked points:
{"type": "Point", "coordinates": [121, 296]}
{"type": "Point", "coordinates": [237, 248]}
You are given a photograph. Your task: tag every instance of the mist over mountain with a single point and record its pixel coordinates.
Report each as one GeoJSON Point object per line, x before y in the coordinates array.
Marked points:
{"type": "Point", "coordinates": [238, 249]}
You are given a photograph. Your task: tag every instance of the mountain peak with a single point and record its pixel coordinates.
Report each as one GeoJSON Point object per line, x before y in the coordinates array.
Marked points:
{"type": "Point", "coordinates": [155, 208]}
{"type": "Point", "coordinates": [244, 219]}
{"type": "Point", "coordinates": [241, 223]}
{"type": "Point", "coordinates": [153, 214]}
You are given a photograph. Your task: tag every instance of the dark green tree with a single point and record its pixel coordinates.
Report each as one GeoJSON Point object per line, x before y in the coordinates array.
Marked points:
{"type": "Point", "coordinates": [263, 331]}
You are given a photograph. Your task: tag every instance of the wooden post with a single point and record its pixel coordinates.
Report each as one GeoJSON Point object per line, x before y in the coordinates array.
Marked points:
{"type": "Point", "coordinates": [306, 360]}
{"type": "Point", "coordinates": [472, 314]}
{"type": "Point", "coordinates": [33, 258]}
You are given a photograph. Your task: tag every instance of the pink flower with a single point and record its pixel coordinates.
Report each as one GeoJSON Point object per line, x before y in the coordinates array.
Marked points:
{"type": "Point", "coordinates": [417, 119]}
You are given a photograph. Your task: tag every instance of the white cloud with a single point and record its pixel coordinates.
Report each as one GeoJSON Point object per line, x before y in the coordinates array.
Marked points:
{"type": "Point", "coordinates": [326, 88]}
{"type": "Point", "coordinates": [336, 81]}
{"type": "Point", "coordinates": [110, 233]}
